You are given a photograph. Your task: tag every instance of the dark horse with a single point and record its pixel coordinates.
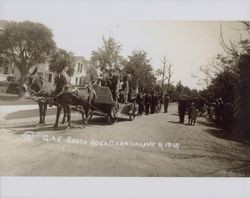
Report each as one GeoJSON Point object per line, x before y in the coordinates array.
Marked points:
{"type": "Point", "coordinates": [80, 97]}
{"type": "Point", "coordinates": [41, 90]}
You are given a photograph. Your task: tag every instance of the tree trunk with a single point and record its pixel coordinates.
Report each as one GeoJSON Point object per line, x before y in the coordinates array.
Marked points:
{"type": "Point", "coordinates": [20, 88]}
{"type": "Point", "coordinates": [21, 81]}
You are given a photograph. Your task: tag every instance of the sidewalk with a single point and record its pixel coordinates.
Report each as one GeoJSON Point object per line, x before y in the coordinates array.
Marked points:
{"type": "Point", "coordinates": [14, 108]}
{"type": "Point", "coordinates": [12, 99]}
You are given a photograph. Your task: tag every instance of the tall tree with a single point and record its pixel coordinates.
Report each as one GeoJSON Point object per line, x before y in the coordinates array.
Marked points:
{"type": "Point", "coordinates": [139, 66]}
{"type": "Point", "coordinates": [231, 80]}
{"type": "Point", "coordinates": [26, 44]}
{"type": "Point", "coordinates": [61, 59]}
{"type": "Point", "coordinates": [108, 56]}
{"type": "Point", "coordinates": [165, 73]}
{"type": "Point", "coordinates": [162, 72]}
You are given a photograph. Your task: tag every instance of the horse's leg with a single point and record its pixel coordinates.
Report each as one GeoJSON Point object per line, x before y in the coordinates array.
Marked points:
{"type": "Point", "coordinates": [59, 108]}
{"type": "Point", "coordinates": [44, 111]}
{"type": "Point", "coordinates": [83, 119]}
{"type": "Point", "coordinates": [68, 110]}
{"type": "Point", "coordinates": [86, 111]}
{"type": "Point", "coordinates": [64, 115]}
{"type": "Point", "coordinates": [40, 112]}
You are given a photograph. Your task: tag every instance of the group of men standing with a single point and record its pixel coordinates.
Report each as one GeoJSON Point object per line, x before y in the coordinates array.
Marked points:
{"type": "Point", "coordinates": [151, 103]}
{"type": "Point", "coordinates": [122, 91]}
{"type": "Point", "coordinates": [185, 104]}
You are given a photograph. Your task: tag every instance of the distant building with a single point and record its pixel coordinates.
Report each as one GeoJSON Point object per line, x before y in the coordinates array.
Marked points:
{"type": "Point", "coordinates": [45, 73]}
{"type": "Point", "coordinates": [81, 66]}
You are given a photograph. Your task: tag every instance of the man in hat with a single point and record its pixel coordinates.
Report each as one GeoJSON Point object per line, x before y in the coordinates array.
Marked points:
{"type": "Point", "coordinates": [147, 102]}
{"type": "Point", "coordinates": [140, 102]}
{"type": "Point", "coordinates": [166, 102]}
{"type": "Point", "coordinates": [62, 82]}
{"type": "Point", "coordinates": [111, 82]}
{"type": "Point", "coordinates": [182, 106]}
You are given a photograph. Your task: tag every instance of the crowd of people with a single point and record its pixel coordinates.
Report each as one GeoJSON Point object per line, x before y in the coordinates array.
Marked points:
{"type": "Point", "coordinates": [122, 91]}
{"type": "Point", "coordinates": [217, 110]}
{"type": "Point", "coordinates": [221, 113]}
{"type": "Point", "coordinates": [151, 102]}
{"type": "Point", "coordinates": [191, 107]}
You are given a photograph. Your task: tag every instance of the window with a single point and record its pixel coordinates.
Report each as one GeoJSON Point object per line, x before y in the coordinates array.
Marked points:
{"type": "Point", "coordinates": [5, 69]}
{"type": "Point", "coordinates": [79, 67]}
{"type": "Point", "coordinates": [50, 77]}
{"type": "Point", "coordinates": [76, 80]}
{"type": "Point", "coordinates": [46, 76]}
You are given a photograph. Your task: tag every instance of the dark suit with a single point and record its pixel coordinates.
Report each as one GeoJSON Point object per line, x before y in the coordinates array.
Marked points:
{"type": "Point", "coordinates": [166, 103]}
{"type": "Point", "coordinates": [140, 102]}
{"type": "Point", "coordinates": [182, 107]}
{"type": "Point", "coordinates": [147, 102]}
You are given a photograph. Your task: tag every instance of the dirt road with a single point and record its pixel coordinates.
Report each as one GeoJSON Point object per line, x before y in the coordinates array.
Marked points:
{"type": "Point", "coordinates": [154, 145]}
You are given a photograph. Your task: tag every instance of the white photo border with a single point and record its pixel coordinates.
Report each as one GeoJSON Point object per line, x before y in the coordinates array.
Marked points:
{"type": "Point", "coordinates": [184, 10]}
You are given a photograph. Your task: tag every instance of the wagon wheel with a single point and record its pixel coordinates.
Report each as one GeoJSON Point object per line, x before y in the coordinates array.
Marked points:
{"type": "Point", "coordinates": [131, 117]}
{"type": "Point", "coordinates": [90, 115]}
{"type": "Point", "coordinates": [133, 114]}
{"type": "Point", "coordinates": [112, 117]}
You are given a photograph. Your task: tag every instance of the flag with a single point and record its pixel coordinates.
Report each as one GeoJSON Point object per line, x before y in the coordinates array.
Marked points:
{"type": "Point", "coordinates": [118, 88]}
{"type": "Point", "coordinates": [136, 89]}
{"type": "Point", "coordinates": [126, 92]}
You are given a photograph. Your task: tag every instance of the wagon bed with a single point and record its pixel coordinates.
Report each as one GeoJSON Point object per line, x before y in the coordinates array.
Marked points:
{"type": "Point", "coordinates": [104, 105]}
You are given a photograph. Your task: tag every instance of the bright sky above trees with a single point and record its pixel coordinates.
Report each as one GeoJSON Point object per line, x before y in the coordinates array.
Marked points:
{"type": "Point", "coordinates": [79, 27]}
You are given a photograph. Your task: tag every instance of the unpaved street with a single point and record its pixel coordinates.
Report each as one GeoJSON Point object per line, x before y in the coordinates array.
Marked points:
{"type": "Point", "coordinates": [154, 145]}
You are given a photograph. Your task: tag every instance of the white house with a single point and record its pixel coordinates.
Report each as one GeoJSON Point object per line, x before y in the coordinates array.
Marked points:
{"type": "Point", "coordinates": [81, 66]}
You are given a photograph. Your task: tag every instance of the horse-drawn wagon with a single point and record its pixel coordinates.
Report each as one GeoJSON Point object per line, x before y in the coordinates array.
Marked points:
{"type": "Point", "coordinates": [88, 100]}
{"type": "Point", "coordinates": [104, 105]}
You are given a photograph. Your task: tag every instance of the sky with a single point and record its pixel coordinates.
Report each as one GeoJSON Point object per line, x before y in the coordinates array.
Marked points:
{"type": "Point", "coordinates": [78, 26]}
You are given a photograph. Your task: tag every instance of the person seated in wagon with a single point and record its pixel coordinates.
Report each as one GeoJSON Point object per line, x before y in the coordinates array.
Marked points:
{"type": "Point", "coordinates": [62, 83]}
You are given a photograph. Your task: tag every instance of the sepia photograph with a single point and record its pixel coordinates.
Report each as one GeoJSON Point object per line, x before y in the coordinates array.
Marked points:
{"type": "Point", "coordinates": [110, 97]}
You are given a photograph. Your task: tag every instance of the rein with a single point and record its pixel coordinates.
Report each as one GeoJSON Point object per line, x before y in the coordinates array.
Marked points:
{"type": "Point", "coordinates": [40, 90]}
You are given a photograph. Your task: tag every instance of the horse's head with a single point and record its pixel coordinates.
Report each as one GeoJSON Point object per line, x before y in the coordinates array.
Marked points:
{"type": "Point", "coordinates": [33, 83]}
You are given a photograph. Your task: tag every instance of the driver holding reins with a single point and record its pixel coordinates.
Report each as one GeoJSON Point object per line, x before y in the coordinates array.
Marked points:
{"type": "Point", "coordinates": [62, 82]}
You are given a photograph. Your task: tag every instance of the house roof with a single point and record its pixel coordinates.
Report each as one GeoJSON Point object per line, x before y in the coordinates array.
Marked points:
{"type": "Point", "coordinates": [80, 58]}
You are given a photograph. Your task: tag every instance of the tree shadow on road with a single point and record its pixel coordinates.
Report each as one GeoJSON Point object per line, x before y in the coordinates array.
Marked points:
{"type": "Point", "coordinates": [218, 132]}
{"type": "Point", "coordinates": [98, 121]}
{"type": "Point", "coordinates": [75, 124]}
{"type": "Point", "coordinates": [40, 129]}
{"type": "Point", "coordinates": [206, 123]}
{"type": "Point", "coordinates": [27, 114]}
{"type": "Point", "coordinates": [174, 122]}
{"type": "Point", "coordinates": [20, 126]}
